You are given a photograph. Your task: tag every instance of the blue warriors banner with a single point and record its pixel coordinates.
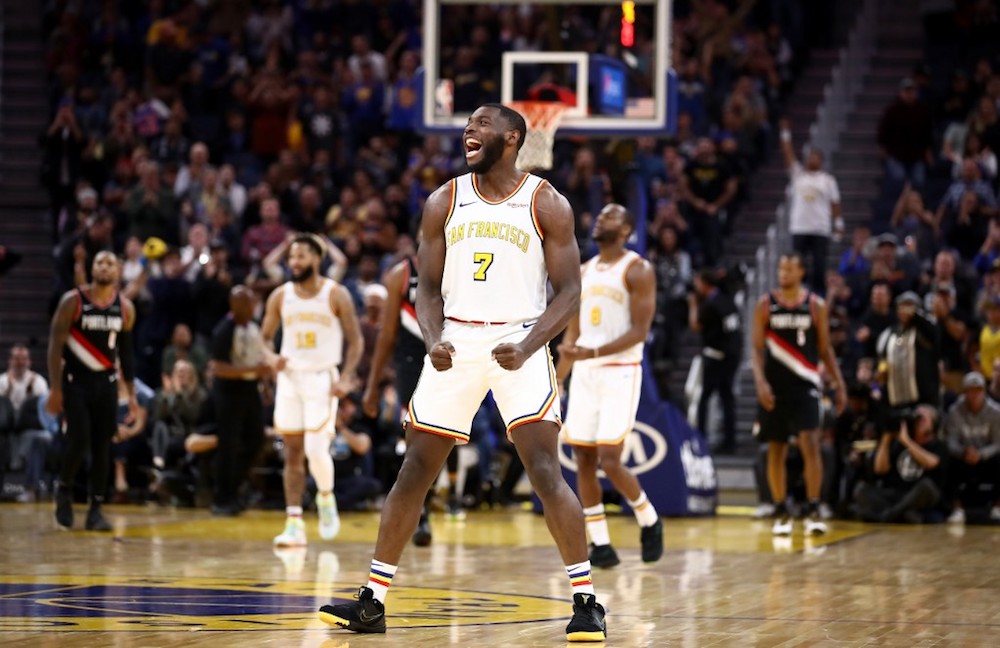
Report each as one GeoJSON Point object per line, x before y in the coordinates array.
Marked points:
{"type": "Point", "coordinates": [670, 458]}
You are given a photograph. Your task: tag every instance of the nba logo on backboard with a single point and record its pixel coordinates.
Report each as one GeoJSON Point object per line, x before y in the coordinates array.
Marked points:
{"type": "Point", "coordinates": [443, 98]}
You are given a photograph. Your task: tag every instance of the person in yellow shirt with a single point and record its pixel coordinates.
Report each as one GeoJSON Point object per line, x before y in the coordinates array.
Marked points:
{"type": "Point", "coordinates": [989, 339]}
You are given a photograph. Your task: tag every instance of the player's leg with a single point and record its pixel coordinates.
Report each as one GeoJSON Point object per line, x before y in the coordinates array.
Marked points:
{"type": "Point", "coordinates": [76, 445]}
{"type": "Point", "coordinates": [320, 414]}
{"type": "Point", "coordinates": [809, 446]}
{"type": "Point", "coordinates": [580, 431]}
{"type": "Point", "coordinates": [289, 422]}
{"type": "Point", "coordinates": [528, 402]}
{"type": "Point", "coordinates": [104, 424]}
{"type": "Point", "coordinates": [425, 455]}
{"type": "Point", "coordinates": [440, 414]}
{"type": "Point", "coordinates": [537, 445]}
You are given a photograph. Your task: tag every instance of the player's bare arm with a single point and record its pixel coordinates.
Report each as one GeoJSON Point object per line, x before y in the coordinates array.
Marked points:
{"type": "Point", "coordinates": [62, 321]}
{"type": "Point", "coordinates": [343, 305]}
{"type": "Point", "coordinates": [430, 257]}
{"type": "Point", "coordinates": [269, 328]}
{"type": "Point", "coordinates": [388, 328]}
{"type": "Point", "coordinates": [760, 315]}
{"type": "Point", "coordinates": [827, 355]}
{"type": "Point", "coordinates": [567, 345]}
{"type": "Point", "coordinates": [562, 261]}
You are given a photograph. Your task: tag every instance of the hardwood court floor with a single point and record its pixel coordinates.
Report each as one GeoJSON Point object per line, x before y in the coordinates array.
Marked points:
{"type": "Point", "coordinates": [170, 578]}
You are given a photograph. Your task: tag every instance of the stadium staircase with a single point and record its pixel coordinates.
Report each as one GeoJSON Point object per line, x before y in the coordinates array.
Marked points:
{"type": "Point", "coordinates": [25, 290]}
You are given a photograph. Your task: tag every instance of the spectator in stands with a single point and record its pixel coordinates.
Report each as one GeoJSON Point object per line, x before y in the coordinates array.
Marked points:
{"type": "Point", "coordinates": [150, 207]}
{"type": "Point", "coordinates": [354, 480]}
{"type": "Point", "coordinates": [964, 213]}
{"type": "Point", "coordinates": [910, 351]}
{"type": "Point", "coordinates": [176, 414]}
{"type": "Point", "coordinates": [183, 347]}
{"type": "Point", "coordinates": [72, 222]}
{"type": "Point", "coordinates": [707, 188]}
{"type": "Point", "coordinates": [309, 214]}
{"type": "Point", "coordinates": [63, 143]}
{"type": "Point", "coordinates": [909, 472]}
{"type": "Point", "coordinates": [854, 264]}
{"type": "Point", "coordinates": [953, 330]}
{"type": "Point", "coordinates": [973, 431]}
{"type": "Point", "coordinates": [815, 210]}
{"type": "Point", "coordinates": [876, 319]}
{"type": "Point", "coordinates": [25, 440]}
{"type": "Point", "coordinates": [894, 265]}
{"type": "Point", "coordinates": [673, 278]}
{"type": "Point", "coordinates": [130, 446]}
{"type": "Point", "coordinates": [76, 255]}
{"type": "Point", "coordinates": [195, 254]}
{"type": "Point", "coordinates": [904, 137]}
{"type": "Point", "coordinates": [910, 217]}
{"type": "Point", "coordinates": [259, 240]}
{"type": "Point", "coordinates": [989, 341]}
{"type": "Point", "coordinates": [172, 147]}
{"type": "Point", "coordinates": [170, 296]}
{"type": "Point", "coordinates": [191, 177]}
{"type": "Point", "coordinates": [235, 193]}
{"type": "Point", "coordinates": [210, 292]}
{"type": "Point", "coordinates": [588, 189]}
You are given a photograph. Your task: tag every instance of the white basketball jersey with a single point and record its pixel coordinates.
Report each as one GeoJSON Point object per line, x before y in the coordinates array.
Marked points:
{"type": "Point", "coordinates": [494, 267]}
{"type": "Point", "coordinates": [311, 336]}
{"type": "Point", "coordinates": [604, 309]}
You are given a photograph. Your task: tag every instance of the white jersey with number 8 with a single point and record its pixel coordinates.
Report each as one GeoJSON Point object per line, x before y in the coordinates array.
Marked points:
{"type": "Point", "coordinates": [605, 310]}
{"type": "Point", "coordinates": [494, 266]}
{"type": "Point", "coordinates": [311, 336]}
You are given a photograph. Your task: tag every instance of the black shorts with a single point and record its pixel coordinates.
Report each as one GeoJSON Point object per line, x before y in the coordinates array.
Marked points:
{"type": "Point", "coordinates": [794, 411]}
{"type": "Point", "coordinates": [407, 375]}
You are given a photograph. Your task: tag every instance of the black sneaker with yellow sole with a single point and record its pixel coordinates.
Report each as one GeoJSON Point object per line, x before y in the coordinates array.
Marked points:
{"type": "Point", "coordinates": [588, 622]}
{"type": "Point", "coordinates": [363, 615]}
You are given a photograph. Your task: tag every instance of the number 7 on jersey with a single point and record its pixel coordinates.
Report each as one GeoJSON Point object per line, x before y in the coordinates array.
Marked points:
{"type": "Point", "coordinates": [484, 259]}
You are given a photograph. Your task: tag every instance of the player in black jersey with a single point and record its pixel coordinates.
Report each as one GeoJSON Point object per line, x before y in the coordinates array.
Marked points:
{"type": "Point", "coordinates": [91, 331]}
{"type": "Point", "coordinates": [400, 334]}
{"type": "Point", "coordinates": [791, 335]}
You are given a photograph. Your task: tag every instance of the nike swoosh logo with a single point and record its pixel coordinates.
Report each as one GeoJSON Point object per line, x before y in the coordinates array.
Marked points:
{"type": "Point", "coordinates": [368, 619]}
{"type": "Point", "coordinates": [529, 324]}
{"type": "Point", "coordinates": [88, 307]}
{"type": "Point", "coordinates": [471, 202]}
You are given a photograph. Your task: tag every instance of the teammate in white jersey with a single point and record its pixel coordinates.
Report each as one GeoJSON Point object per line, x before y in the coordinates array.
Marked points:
{"type": "Point", "coordinates": [317, 317]}
{"type": "Point", "coordinates": [603, 346]}
{"type": "Point", "coordinates": [490, 241]}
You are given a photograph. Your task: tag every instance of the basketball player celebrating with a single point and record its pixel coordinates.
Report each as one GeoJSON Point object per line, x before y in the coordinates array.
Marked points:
{"type": "Point", "coordinates": [91, 329]}
{"type": "Point", "coordinates": [603, 345]}
{"type": "Point", "coordinates": [791, 335]}
{"type": "Point", "coordinates": [317, 316]}
{"type": "Point", "coordinates": [491, 239]}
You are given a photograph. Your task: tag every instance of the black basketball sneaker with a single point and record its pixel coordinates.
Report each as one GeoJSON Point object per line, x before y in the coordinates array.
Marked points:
{"type": "Point", "coordinates": [587, 623]}
{"type": "Point", "coordinates": [363, 615]}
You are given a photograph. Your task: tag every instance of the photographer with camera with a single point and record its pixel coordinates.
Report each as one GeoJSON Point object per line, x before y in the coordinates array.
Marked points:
{"type": "Point", "coordinates": [909, 471]}
{"type": "Point", "coordinates": [712, 312]}
{"type": "Point", "coordinates": [973, 432]}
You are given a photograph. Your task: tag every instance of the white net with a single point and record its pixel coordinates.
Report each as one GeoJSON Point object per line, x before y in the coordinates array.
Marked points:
{"type": "Point", "coordinates": [543, 120]}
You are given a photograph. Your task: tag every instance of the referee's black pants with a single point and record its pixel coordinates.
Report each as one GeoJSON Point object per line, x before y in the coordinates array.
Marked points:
{"type": "Point", "coordinates": [240, 428]}
{"type": "Point", "coordinates": [90, 407]}
{"type": "Point", "coordinates": [717, 377]}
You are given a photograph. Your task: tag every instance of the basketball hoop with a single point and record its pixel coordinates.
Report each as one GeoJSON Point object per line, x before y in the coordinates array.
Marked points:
{"type": "Point", "coordinates": [542, 118]}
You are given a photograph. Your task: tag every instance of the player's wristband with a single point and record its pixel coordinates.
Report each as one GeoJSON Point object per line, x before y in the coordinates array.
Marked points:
{"type": "Point", "coordinates": [786, 135]}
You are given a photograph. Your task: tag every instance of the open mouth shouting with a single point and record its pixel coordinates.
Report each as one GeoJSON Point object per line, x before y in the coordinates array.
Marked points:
{"type": "Point", "coordinates": [473, 149]}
